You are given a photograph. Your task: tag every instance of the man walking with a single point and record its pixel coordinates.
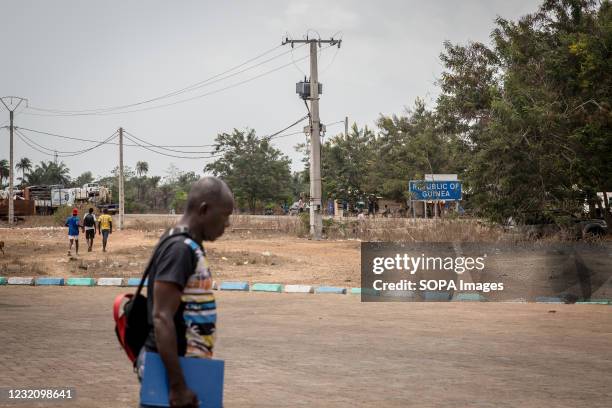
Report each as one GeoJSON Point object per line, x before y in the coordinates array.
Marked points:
{"type": "Point", "coordinates": [73, 223]}
{"type": "Point", "coordinates": [181, 305]}
{"type": "Point", "coordinates": [89, 227]}
{"type": "Point", "coordinates": [105, 227]}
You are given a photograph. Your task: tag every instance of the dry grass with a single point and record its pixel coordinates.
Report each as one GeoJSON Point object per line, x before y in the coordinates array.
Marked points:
{"type": "Point", "coordinates": [370, 229]}
{"type": "Point", "coordinates": [374, 229]}
{"type": "Point", "coordinates": [238, 224]}
{"type": "Point", "coordinates": [150, 225]}
{"type": "Point", "coordinates": [34, 221]}
{"type": "Point", "coordinates": [413, 230]}
{"type": "Point", "coordinates": [18, 266]}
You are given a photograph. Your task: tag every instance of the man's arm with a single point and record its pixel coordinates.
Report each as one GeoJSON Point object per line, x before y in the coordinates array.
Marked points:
{"type": "Point", "coordinates": [167, 300]}
{"type": "Point", "coordinates": [110, 222]}
{"type": "Point", "coordinates": [99, 228]}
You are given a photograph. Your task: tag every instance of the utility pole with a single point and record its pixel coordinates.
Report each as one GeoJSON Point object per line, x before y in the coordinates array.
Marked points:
{"type": "Point", "coordinates": [346, 127]}
{"type": "Point", "coordinates": [121, 191]}
{"type": "Point", "coordinates": [316, 220]}
{"type": "Point", "coordinates": [11, 109]}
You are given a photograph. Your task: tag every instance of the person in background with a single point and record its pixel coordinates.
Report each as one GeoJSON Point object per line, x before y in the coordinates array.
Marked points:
{"type": "Point", "coordinates": [89, 228]}
{"type": "Point", "coordinates": [73, 223]}
{"type": "Point", "coordinates": [105, 227]}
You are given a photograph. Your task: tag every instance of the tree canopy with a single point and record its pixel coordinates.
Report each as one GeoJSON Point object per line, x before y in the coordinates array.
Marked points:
{"type": "Point", "coordinates": [256, 171]}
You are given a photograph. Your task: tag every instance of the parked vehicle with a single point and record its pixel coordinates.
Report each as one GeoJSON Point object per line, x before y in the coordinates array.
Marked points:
{"type": "Point", "coordinates": [555, 222]}
{"type": "Point", "coordinates": [112, 208]}
{"type": "Point", "coordinates": [92, 189]}
{"type": "Point", "coordinates": [295, 208]}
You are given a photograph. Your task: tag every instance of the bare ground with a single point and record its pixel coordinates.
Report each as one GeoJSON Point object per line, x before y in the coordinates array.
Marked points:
{"type": "Point", "coordinates": [264, 258]}
{"type": "Point", "coordinates": [289, 350]}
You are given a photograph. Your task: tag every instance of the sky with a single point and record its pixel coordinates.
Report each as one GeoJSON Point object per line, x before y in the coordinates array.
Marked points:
{"type": "Point", "coordinates": [78, 55]}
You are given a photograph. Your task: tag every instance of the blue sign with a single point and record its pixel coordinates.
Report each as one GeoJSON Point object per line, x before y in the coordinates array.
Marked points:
{"type": "Point", "coordinates": [435, 190]}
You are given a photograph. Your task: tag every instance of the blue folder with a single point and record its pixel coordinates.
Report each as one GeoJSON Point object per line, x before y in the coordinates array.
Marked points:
{"type": "Point", "coordinates": [203, 376]}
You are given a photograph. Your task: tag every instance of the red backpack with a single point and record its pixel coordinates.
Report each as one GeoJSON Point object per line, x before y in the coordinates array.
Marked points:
{"type": "Point", "coordinates": [130, 310]}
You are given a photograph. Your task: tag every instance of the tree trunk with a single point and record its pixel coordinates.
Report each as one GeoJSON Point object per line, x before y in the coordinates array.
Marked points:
{"type": "Point", "coordinates": [606, 210]}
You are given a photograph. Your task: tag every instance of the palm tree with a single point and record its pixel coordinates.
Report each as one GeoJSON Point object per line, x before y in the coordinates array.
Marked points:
{"type": "Point", "coordinates": [142, 167]}
{"type": "Point", "coordinates": [4, 171]}
{"type": "Point", "coordinates": [50, 173]}
{"type": "Point", "coordinates": [24, 165]}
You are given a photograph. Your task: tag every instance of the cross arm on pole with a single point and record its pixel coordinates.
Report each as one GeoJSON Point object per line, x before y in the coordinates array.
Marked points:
{"type": "Point", "coordinates": [308, 41]}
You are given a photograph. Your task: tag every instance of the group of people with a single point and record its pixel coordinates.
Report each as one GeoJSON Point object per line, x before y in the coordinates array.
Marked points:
{"type": "Point", "coordinates": [104, 224]}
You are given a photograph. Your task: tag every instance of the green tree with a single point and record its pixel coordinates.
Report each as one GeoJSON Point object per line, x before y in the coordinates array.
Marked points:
{"type": "Point", "coordinates": [4, 171]}
{"type": "Point", "coordinates": [407, 148]}
{"type": "Point", "coordinates": [24, 165]}
{"type": "Point", "coordinates": [257, 172]}
{"type": "Point", "coordinates": [534, 110]}
{"type": "Point", "coordinates": [345, 164]}
{"type": "Point", "coordinates": [49, 173]}
{"type": "Point", "coordinates": [142, 168]}
{"type": "Point", "coordinates": [84, 178]}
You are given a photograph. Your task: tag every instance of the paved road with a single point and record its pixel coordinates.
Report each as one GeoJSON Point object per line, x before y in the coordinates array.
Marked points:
{"type": "Point", "coordinates": [286, 350]}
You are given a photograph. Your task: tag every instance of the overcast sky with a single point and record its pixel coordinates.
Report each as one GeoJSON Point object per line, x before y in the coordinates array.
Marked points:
{"type": "Point", "coordinates": [77, 55]}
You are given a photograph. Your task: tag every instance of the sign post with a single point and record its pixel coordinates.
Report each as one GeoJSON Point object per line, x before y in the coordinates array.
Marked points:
{"type": "Point", "coordinates": [435, 190]}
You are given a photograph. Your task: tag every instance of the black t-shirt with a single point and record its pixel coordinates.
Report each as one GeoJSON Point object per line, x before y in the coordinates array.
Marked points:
{"type": "Point", "coordinates": [89, 220]}
{"type": "Point", "coordinates": [173, 261]}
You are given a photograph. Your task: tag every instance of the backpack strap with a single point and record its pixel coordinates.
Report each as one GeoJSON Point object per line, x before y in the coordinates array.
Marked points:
{"type": "Point", "coordinates": [172, 232]}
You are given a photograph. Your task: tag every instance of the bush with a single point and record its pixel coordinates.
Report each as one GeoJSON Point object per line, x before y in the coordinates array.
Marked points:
{"type": "Point", "coordinates": [304, 223]}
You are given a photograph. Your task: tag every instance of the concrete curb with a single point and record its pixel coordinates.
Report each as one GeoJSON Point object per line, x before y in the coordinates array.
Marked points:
{"type": "Point", "coordinates": [428, 296]}
{"type": "Point", "coordinates": [298, 289]}
{"type": "Point", "coordinates": [330, 289]}
{"type": "Point", "coordinates": [20, 281]}
{"type": "Point", "coordinates": [435, 296]}
{"type": "Point", "coordinates": [267, 287]}
{"type": "Point", "coordinates": [110, 282]}
{"type": "Point", "coordinates": [238, 286]}
{"type": "Point", "coordinates": [136, 282]}
{"type": "Point", "coordinates": [409, 295]}
{"type": "Point", "coordinates": [549, 299]}
{"type": "Point", "coordinates": [49, 281]}
{"type": "Point", "coordinates": [80, 282]}
{"type": "Point", "coordinates": [469, 297]}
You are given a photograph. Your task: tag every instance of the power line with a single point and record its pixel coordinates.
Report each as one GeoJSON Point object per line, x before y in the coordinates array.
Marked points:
{"type": "Point", "coordinates": [19, 135]}
{"type": "Point", "coordinates": [335, 53]}
{"type": "Point", "coordinates": [209, 81]}
{"type": "Point", "coordinates": [97, 141]}
{"type": "Point", "coordinates": [275, 134]}
{"type": "Point", "coordinates": [60, 136]}
{"type": "Point", "coordinates": [142, 141]}
{"type": "Point", "coordinates": [211, 153]}
{"type": "Point", "coordinates": [186, 89]}
{"type": "Point", "coordinates": [26, 139]}
{"type": "Point", "coordinates": [300, 132]}
{"type": "Point", "coordinates": [164, 148]}
{"type": "Point", "coordinates": [167, 154]}
{"type": "Point", "coordinates": [193, 97]}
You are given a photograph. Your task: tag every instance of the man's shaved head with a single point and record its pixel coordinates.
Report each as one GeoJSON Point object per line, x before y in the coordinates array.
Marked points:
{"type": "Point", "coordinates": [209, 204]}
{"type": "Point", "coordinates": [210, 190]}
